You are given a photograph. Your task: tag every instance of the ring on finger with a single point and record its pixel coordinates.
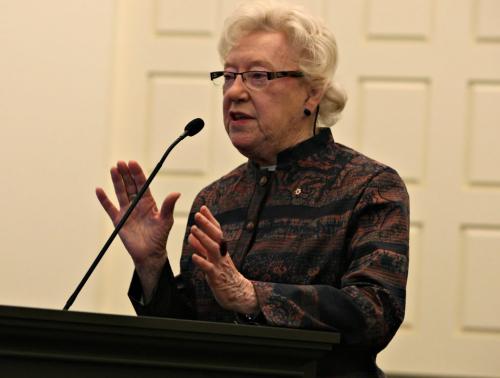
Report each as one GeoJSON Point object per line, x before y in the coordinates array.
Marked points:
{"type": "Point", "coordinates": [223, 248]}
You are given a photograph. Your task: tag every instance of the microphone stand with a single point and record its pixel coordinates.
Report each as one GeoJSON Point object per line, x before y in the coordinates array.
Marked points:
{"type": "Point", "coordinates": [191, 129]}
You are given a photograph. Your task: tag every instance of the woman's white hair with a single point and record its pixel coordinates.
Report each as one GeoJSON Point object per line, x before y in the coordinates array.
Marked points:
{"type": "Point", "coordinates": [314, 42]}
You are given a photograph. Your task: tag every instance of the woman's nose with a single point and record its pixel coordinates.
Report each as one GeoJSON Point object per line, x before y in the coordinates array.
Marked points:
{"type": "Point", "coordinates": [237, 90]}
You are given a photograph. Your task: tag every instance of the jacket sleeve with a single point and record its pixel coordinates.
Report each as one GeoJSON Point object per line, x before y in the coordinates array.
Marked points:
{"type": "Point", "coordinates": [368, 307]}
{"type": "Point", "coordinates": [168, 299]}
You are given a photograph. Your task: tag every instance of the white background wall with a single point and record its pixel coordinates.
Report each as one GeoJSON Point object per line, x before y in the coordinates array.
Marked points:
{"type": "Point", "coordinates": [86, 82]}
{"type": "Point", "coordinates": [55, 115]}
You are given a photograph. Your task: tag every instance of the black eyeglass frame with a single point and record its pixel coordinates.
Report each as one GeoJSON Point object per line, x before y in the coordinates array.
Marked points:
{"type": "Point", "coordinates": [270, 75]}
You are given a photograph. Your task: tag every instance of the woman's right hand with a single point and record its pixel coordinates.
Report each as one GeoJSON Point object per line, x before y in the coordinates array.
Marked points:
{"type": "Point", "coordinates": [146, 231]}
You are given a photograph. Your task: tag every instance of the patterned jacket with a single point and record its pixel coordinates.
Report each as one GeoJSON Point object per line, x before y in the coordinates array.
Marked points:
{"type": "Point", "coordinates": [324, 239]}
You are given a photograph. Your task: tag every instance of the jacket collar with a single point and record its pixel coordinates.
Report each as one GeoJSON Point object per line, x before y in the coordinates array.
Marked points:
{"type": "Point", "coordinates": [302, 150]}
{"type": "Point", "coordinates": [306, 148]}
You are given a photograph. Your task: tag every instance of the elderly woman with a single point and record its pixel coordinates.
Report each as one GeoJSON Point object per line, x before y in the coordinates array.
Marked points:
{"type": "Point", "coordinates": [308, 233]}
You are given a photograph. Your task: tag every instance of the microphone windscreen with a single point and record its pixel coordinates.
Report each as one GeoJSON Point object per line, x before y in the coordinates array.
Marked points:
{"type": "Point", "coordinates": [194, 127]}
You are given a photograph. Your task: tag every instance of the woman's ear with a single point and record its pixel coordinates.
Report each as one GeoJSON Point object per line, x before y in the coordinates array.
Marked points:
{"type": "Point", "coordinates": [314, 97]}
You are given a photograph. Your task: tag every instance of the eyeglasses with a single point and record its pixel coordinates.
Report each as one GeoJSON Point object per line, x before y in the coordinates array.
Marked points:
{"type": "Point", "coordinates": [255, 80]}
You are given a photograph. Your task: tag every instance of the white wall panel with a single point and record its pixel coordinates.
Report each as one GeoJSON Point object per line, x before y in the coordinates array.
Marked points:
{"type": "Point", "coordinates": [172, 97]}
{"type": "Point", "coordinates": [186, 16]}
{"type": "Point", "coordinates": [484, 128]}
{"type": "Point", "coordinates": [481, 284]}
{"type": "Point", "coordinates": [394, 117]}
{"type": "Point", "coordinates": [316, 7]}
{"type": "Point", "coordinates": [487, 20]}
{"type": "Point", "coordinates": [399, 19]}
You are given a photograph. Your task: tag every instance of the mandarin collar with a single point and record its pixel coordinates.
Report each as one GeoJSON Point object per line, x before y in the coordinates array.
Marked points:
{"type": "Point", "coordinates": [302, 150]}
{"type": "Point", "coordinates": [306, 148]}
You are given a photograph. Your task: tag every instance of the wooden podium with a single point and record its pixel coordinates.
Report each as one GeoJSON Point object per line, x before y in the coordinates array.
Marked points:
{"type": "Point", "coordinates": [52, 343]}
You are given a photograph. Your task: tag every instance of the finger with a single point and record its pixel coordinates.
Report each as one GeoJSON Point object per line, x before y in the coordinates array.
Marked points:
{"type": "Point", "coordinates": [119, 185]}
{"type": "Point", "coordinates": [206, 266]}
{"type": "Point", "coordinates": [212, 230]}
{"type": "Point", "coordinates": [108, 206]}
{"type": "Point", "coordinates": [168, 205]}
{"type": "Point", "coordinates": [210, 245]}
{"type": "Point", "coordinates": [207, 213]}
{"type": "Point", "coordinates": [130, 185]}
{"type": "Point", "coordinates": [138, 176]}
{"type": "Point", "coordinates": [196, 244]}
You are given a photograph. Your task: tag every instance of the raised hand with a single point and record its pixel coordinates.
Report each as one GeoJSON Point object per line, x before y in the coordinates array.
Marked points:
{"type": "Point", "coordinates": [146, 231]}
{"type": "Point", "coordinates": [230, 288]}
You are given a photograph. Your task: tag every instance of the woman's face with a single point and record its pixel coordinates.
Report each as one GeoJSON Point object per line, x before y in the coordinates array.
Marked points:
{"type": "Point", "coordinates": [261, 123]}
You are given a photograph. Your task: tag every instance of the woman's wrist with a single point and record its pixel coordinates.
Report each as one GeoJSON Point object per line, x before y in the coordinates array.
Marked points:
{"type": "Point", "coordinates": [248, 304]}
{"type": "Point", "coordinates": [149, 272]}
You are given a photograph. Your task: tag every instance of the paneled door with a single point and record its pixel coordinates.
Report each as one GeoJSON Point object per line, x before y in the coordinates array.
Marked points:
{"type": "Point", "coordinates": [424, 83]}
{"type": "Point", "coordinates": [423, 78]}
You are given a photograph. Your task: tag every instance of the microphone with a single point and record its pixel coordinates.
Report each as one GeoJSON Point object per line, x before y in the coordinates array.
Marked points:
{"type": "Point", "coordinates": [194, 127]}
{"type": "Point", "coordinates": [191, 129]}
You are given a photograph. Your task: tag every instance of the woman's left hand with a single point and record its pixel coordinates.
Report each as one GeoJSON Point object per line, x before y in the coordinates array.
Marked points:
{"type": "Point", "coordinates": [230, 288]}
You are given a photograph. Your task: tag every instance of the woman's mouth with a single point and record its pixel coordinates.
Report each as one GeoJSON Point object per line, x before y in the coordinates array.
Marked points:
{"type": "Point", "coordinates": [239, 116]}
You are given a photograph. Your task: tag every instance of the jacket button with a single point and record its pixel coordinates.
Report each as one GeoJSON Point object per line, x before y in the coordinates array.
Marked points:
{"type": "Point", "coordinates": [263, 181]}
{"type": "Point", "coordinates": [250, 226]}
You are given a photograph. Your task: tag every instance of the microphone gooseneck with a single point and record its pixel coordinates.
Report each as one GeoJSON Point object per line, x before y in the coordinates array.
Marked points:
{"type": "Point", "coordinates": [192, 128]}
